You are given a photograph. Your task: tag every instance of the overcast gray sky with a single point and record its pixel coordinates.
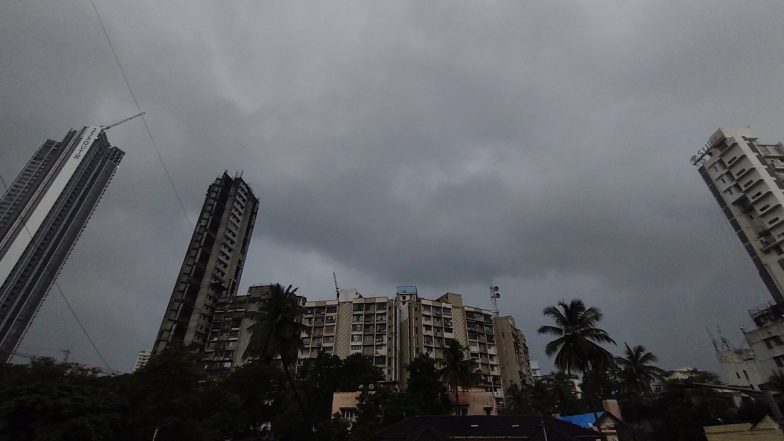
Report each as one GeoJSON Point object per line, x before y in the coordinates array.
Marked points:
{"type": "Point", "coordinates": [542, 146]}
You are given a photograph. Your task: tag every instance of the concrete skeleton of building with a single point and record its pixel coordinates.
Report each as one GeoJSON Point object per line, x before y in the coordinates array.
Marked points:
{"type": "Point", "coordinates": [42, 215]}
{"type": "Point", "coordinates": [212, 267]}
{"type": "Point", "coordinates": [746, 178]}
{"type": "Point", "coordinates": [393, 331]}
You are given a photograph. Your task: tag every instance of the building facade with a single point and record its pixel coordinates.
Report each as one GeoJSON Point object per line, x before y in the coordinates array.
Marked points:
{"type": "Point", "coordinates": [394, 331]}
{"type": "Point", "coordinates": [42, 214]}
{"type": "Point", "coordinates": [213, 264]}
{"type": "Point", "coordinates": [515, 365]}
{"type": "Point", "coordinates": [746, 178]}
{"type": "Point", "coordinates": [141, 360]}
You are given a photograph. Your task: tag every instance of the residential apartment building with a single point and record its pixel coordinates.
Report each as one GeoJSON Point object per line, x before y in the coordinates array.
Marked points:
{"type": "Point", "coordinates": [746, 178]}
{"type": "Point", "coordinates": [513, 358]}
{"type": "Point", "coordinates": [213, 264]}
{"type": "Point", "coordinates": [141, 360]}
{"type": "Point", "coordinates": [394, 331]}
{"type": "Point", "coordinates": [42, 215]}
{"type": "Point", "coordinates": [229, 330]}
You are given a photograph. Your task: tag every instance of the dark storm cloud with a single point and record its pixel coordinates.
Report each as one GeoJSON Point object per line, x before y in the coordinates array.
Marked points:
{"type": "Point", "coordinates": [541, 146]}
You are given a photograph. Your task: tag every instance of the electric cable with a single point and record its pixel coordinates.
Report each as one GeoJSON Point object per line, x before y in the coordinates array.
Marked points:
{"type": "Point", "coordinates": [138, 109]}
{"type": "Point", "coordinates": [68, 304]}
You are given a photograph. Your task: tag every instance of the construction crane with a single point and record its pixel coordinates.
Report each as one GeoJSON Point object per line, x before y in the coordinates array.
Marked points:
{"type": "Point", "coordinates": [107, 127]}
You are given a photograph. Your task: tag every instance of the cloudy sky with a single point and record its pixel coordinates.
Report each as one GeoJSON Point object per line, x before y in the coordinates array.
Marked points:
{"type": "Point", "coordinates": [542, 146]}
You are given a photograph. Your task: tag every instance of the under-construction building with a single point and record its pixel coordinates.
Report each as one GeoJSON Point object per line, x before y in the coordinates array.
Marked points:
{"type": "Point", "coordinates": [42, 214]}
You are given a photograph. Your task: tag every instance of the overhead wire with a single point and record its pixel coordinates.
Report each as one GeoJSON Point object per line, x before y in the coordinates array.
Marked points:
{"type": "Point", "coordinates": [138, 108]}
{"type": "Point", "coordinates": [68, 303]}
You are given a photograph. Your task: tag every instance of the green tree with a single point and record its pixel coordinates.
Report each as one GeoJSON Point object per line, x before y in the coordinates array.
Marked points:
{"type": "Point", "coordinates": [425, 393]}
{"type": "Point", "coordinates": [457, 373]}
{"type": "Point", "coordinates": [58, 402]}
{"type": "Point", "coordinates": [577, 346]}
{"type": "Point", "coordinates": [260, 388]}
{"type": "Point", "coordinates": [276, 332]}
{"type": "Point", "coordinates": [684, 410]}
{"type": "Point", "coordinates": [638, 371]}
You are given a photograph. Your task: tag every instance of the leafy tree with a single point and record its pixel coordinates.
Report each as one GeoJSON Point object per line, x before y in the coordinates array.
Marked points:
{"type": "Point", "coordinates": [684, 410]}
{"type": "Point", "coordinates": [457, 373]}
{"type": "Point", "coordinates": [260, 390]}
{"type": "Point", "coordinates": [276, 331]}
{"type": "Point", "coordinates": [425, 394]}
{"type": "Point", "coordinates": [577, 346]}
{"type": "Point", "coordinates": [638, 371]}
{"type": "Point", "coordinates": [57, 401]}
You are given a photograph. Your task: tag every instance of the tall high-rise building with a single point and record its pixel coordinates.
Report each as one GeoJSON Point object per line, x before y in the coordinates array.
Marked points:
{"type": "Point", "coordinates": [392, 332]}
{"type": "Point", "coordinates": [213, 264]}
{"type": "Point", "coordinates": [747, 179]}
{"type": "Point", "coordinates": [42, 214]}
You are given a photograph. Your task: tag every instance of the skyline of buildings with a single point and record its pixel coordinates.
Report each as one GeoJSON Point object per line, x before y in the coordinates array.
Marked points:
{"type": "Point", "coordinates": [213, 263]}
{"type": "Point", "coordinates": [42, 214]}
{"type": "Point", "coordinates": [389, 331]}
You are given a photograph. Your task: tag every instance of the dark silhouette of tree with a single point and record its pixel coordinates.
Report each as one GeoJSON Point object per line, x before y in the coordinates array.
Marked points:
{"type": "Point", "coordinates": [457, 372]}
{"type": "Point", "coordinates": [425, 393]}
{"type": "Point", "coordinates": [276, 332]}
{"type": "Point", "coordinates": [577, 346]}
{"type": "Point", "coordinates": [638, 371]}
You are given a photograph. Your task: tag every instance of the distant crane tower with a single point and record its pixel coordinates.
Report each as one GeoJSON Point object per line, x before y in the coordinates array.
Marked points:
{"type": "Point", "coordinates": [337, 290]}
{"type": "Point", "coordinates": [494, 296]}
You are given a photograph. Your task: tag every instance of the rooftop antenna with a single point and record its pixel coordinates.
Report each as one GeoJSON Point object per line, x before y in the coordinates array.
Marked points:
{"type": "Point", "coordinates": [107, 127]}
{"type": "Point", "coordinates": [337, 290]}
{"type": "Point", "coordinates": [66, 355]}
{"type": "Point", "coordinates": [494, 296]}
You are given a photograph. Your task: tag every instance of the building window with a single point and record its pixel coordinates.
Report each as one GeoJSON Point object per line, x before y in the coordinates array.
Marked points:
{"type": "Point", "coordinates": [770, 342]}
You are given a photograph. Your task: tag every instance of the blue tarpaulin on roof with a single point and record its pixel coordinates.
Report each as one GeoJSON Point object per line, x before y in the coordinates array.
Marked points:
{"type": "Point", "coordinates": [584, 420]}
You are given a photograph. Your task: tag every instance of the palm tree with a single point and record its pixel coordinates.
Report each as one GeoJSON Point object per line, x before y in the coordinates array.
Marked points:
{"type": "Point", "coordinates": [276, 330]}
{"type": "Point", "coordinates": [457, 372]}
{"type": "Point", "coordinates": [577, 347]}
{"type": "Point", "coordinates": [578, 343]}
{"type": "Point", "coordinates": [637, 369]}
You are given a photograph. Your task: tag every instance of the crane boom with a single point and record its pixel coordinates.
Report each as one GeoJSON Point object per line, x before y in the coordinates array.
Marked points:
{"type": "Point", "coordinates": [107, 127]}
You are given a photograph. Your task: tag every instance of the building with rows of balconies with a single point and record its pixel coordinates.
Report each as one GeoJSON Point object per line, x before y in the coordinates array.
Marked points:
{"type": "Point", "coordinates": [394, 331]}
